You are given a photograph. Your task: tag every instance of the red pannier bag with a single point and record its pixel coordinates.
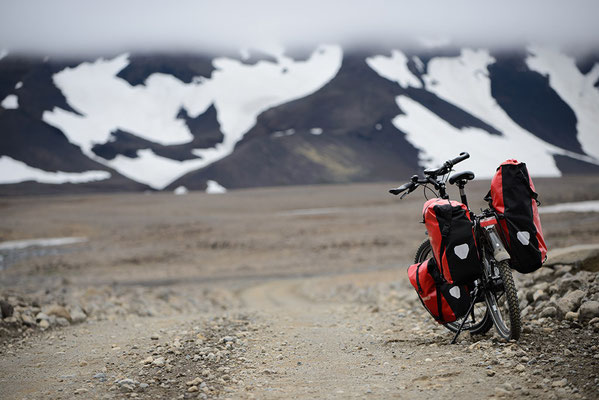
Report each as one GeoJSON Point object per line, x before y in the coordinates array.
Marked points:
{"type": "Point", "coordinates": [444, 301]}
{"type": "Point", "coordinates": [451, 234]}
{"type": "Point", "coordinates": [513, 195]}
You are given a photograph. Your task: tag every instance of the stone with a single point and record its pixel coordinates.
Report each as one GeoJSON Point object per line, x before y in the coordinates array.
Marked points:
{"type": "Point", "coordinates": [159, 362]}
{"type": "Point", "coordinates": [588, 311]}
{"type": "Point", "coordinates": [585, 256]}
{"type": "Point", "coordinates": [570, 302]}
{"type": "Point", "coordinates": [44, 324]}
{"type": "Point", "coordinates": [571, 316]}
{"type": "Point", "coordinates": [520, 368]}
{"type": "Point", "coordinates": [58, 312]}
{"type": "Point", "coordinates": [148, 360]}
{"type": "Point", "coordinates": [548, 312]}
{"type": "Point", "coordinates": [560, 383]}
{"type": "Point", "coordinates": [28, 320]}
{"type": "Point", "coordinates": [540, 294]}
{"type": "Point", "coordinates": [62, 321]}
{"type": "Point", "coordinates": [192, 389]}
{"type": "Point", "coordinates": [194, 382]}
{"type": "Point", "coordinates": [77, 315]}
{"type": "Point", "coordinates": [569, 283]}
{"type": "Point", "coordinates": [155, 337]}
{"type": "Point", "coordinates": [6, 309]}
{"type": "Point", "coordinates": [41, 316]}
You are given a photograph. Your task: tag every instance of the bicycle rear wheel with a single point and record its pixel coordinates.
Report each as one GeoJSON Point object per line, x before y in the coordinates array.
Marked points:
{"type": "Point", "coordinates": [502, 301]}
{"type": "Point", "coordinates": [479, 321]}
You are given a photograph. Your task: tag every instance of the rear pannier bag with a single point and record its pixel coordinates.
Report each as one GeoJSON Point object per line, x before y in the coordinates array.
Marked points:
{"type": "Point", "coordinates": [450, 232]}
{"type": "Point", "coordinates": [444, 301]}
{"type": "Point", "coordinates": [513, 195]}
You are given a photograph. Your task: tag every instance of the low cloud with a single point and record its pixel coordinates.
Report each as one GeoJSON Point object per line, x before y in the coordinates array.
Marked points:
{"type": "Point", "coordinates": [85, 26]}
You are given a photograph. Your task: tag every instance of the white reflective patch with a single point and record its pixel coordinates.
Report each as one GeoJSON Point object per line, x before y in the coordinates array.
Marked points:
{"type": "Point", "coordinates": [455, 292]}
{"type": "Point", "coordinates": [523, 237]}
{"type": "Point", "coordinates": [461, 251]}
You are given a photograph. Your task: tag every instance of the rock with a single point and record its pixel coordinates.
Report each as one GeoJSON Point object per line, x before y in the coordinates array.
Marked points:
{"type": "Point", "coordinates": [540, 294]}
{"type": "Point", "coordinates": [571, 316]}
{"type": "Point", "coordinates": [192, 389]}
{"type": "Point", "coordinates": [569, 283]}
{"type": "Point", "coordinates": [594, 321]}
{"type": "Point", "coordinates": [101, 376]}
{"type": "Point", "coordinates": [570, 302]}
{"type": "Point", "coordinates": [148, 360]}
{"type": "Point", "coordinates": [588, 311]}
{"type": "Point", "coordinates": [6, 309]}
{"type": "Point", "coordinates": [586, 256]}
{"type": "Point", "coordinates": [143, 386]}
{"type": "Point", "coordinates": [41, 316]}
{"type": "Point", "coordinates": [159, 362]}
{"type": "Point", "coordinates": [44, 324]}
{"type": "Point", "coordinates": [520, 368]}
{"type": "Point", "coordinates": [560, 383]}
{"type": "Point", "coordinates": [194, 382]}
{"type": "Point", "coordinates": [490, 372]}
{"type": "Point", "coordinates": [155, 337]}
{"type": "Point", "coordinates": [548, 312]}
{"type": "Point", "coordinates": [77, 315]}
{"type": "Point", "coordinates": [80, 391]}
{"type": "Point", "coordinates": [58, 312]}
{"type": "Point", "coordinates": [62, 321]}
{"type": "Point", "coordinates": [28, 320]}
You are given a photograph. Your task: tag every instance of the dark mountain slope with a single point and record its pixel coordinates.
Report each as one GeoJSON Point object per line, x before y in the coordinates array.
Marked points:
{"type": "Point", "coordinates": [528, 99]}
{"type": "Point", "coordinates": [205, 129]}
{"type": "Point", "coordinates": [358, 143]}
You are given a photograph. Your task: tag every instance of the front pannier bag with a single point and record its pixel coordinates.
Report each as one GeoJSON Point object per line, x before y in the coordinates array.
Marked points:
{"type": "Point", "coordinates": [451, 235]}
{"type": "Point", "coordinates": [444, 301]}
{"type": "Point", "coordinates": [513, 195]}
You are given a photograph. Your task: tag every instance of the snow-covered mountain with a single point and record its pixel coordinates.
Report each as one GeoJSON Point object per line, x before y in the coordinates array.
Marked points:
{"type": "Point", "coordinates": [133, 122]}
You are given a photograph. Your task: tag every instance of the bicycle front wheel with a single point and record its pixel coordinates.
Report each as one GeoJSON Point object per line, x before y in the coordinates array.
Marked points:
{"type": "Point", "coordinates": [479, 321]}
{"type": "Point", "coordinates": [502, 301]}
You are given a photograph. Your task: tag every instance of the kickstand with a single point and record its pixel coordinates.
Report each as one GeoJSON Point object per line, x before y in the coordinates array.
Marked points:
{"type": "Point", "coordinates": [474, 298]}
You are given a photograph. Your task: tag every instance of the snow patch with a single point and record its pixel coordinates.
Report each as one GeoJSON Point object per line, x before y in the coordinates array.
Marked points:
{"type": "Point", "coordinates": [464, 81]}
{"type": "Point", "coordinates": [580, 206]}
{"type": "Point", "coordinates": [21, 244]}
{"type": "Point", "coordinates": [3, 53]}
{"type": "Point", "coordinates": [215, 188]}
{"type": "Point", "coordinates": [19, 85]}
{"type": "Point", "coordinates": [394, 68]}
{"type": "Point", "coordinates": [180, 190]}
{"type": "Point", "coordinates": [10, 102]}
{"type": "Point", "coordinates": [316, 131]}
{"type": "Point", "coordinates": [574, 88]}
{"type": "Point", "coordinates": [287, 132]}
{"type": "Point", "coordinates": [14, 171]}
{"type": "Point", "coordinates": [239, 92]}
{"type": "Point", "coordinates": [153, 170]}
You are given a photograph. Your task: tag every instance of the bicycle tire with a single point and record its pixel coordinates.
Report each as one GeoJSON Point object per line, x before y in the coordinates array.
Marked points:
{"type": "Point", "coordinates": [478, 328]}
{"type": "Point", "coordinates": [508, 300]}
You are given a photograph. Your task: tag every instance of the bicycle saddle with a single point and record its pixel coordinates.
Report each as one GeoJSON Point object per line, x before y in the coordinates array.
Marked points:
{"type": "Point", "coordinates": [460, 176]}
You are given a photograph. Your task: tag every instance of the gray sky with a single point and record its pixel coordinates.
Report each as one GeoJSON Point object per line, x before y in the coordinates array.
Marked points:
{"type": "Point", "coordinates": [84, 26]}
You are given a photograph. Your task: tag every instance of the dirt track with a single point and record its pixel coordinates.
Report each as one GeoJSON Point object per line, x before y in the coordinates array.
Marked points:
{"type": "Point", "coordinates": [309, 281]}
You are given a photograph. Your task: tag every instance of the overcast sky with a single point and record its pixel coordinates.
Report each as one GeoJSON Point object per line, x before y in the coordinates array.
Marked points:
{"type": "Point", "coordinates": [100, 26]}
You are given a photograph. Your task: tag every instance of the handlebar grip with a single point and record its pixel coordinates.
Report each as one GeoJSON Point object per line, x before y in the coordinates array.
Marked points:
{"type": "Point", "coordinates": [463, 155]}
{"type": "Point", "coordinates": [400, 189]}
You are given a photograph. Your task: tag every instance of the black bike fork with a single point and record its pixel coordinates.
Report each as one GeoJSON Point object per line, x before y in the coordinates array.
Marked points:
{"type": "Point", "coordinates": [474, 298]}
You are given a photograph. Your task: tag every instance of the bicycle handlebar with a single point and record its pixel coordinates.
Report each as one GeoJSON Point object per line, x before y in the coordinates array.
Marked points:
{"type": "Point", "coordinates": [431, 173]}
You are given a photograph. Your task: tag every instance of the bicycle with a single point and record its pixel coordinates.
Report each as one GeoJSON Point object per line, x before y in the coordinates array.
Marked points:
{"type": "Point", "coordinates": [494, 295]}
